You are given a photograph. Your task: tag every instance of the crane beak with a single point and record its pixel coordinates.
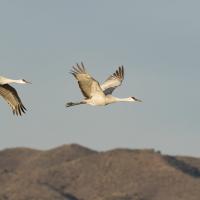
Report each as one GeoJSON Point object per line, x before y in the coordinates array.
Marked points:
{"type": "Point", "coordinates": [138, 100]}
{"type": "Point", "coordinates": [135, 99]}
{"type": "Point", "coordinates": [27, 81]}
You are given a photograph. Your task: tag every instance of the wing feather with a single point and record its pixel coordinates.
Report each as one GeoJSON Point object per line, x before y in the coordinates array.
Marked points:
{"type": "Point", "coordinates": [113, 81]}
{"type": "Point", "coordinates": [87, 84]}
{"type": "Point", "coordinates": [11, 97]}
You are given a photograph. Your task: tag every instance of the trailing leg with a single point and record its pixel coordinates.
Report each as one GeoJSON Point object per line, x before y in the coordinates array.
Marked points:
{"type": "Point", "coordinates": [69, 104]}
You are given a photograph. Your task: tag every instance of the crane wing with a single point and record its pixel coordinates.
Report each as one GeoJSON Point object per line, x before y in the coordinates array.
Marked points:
{"type": "Point", "coordinates": [11, 97]}
{"type": "Point", "coordinates": [113, 81]}
{"type": "Point", "coordinates": [88, 85]}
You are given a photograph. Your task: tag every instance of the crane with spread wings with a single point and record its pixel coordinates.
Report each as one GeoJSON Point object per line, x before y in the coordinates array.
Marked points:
{"type": "Point", "coordinates": [10, 94]}
{"type": "Point", "coordinates": [96, 94]}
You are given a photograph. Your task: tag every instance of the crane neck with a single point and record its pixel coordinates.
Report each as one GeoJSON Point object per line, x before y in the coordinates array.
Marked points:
{"type": "Point", "coordinates": [7, 80]}
{"type": "Point", "coordinates": [127, 99]}
{"type": "Point", "coordinates": [112, 99]}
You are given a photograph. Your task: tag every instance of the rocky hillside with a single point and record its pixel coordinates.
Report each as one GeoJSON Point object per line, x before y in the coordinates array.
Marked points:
{"type": "Point", "coordinates": [73, 172]}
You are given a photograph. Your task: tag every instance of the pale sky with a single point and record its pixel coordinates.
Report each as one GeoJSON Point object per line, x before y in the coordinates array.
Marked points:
{"type": "Point", "coordinates": [158, 42]}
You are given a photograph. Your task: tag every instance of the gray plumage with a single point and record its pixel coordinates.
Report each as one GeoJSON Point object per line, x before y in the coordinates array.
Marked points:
{"type": "Point", "coordinates": [113, 81]}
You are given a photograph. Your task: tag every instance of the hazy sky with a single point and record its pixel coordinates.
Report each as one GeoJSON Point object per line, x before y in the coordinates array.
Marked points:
{"type": "Point", "coordinates": [158, 42]}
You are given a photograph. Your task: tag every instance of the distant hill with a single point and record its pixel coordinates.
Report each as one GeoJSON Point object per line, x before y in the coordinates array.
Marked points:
{"type": "Point", "coordinates": [73, 172]}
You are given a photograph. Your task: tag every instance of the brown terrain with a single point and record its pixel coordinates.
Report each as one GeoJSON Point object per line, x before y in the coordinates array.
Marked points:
{"type": "Point", "coordinates": [73, 172]}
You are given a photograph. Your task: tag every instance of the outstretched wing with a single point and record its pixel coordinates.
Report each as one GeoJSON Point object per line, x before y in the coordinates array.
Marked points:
{"type": "Point", "coordinates": [88, 85]}
{"type": "Point", "coordinates": [113, 81]}
{"type": "Point", "coordinates": [11, 97]}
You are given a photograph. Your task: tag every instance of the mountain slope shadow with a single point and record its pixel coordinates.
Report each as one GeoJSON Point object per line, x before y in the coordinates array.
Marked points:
{"type": "Point", "coordinates": [66, 196]}
{"type": "Point", "coordinates": [183, 166]}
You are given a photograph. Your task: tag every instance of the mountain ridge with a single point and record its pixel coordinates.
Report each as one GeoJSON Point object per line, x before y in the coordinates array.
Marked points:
{"type": "Point", "coordinates": [74, 172]}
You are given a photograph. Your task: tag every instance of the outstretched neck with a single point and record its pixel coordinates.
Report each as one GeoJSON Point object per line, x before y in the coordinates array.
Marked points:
{"type": "Point", "coordinates": [128, 99]}
{"type": "Point", "coordinates": [4, 80]}
{"type": "Point", "coordinates": [112, 99]}
{"type": "Point", "coordinates": [16, 81]}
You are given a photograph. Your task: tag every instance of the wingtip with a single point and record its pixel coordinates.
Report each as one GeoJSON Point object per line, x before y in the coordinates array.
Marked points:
{"type": "Point", "coordinates": [19, 110]}
{"type": "Point", "coordinates": [122, 70]}
{"type": "Point", "coordinates": [79, 68]}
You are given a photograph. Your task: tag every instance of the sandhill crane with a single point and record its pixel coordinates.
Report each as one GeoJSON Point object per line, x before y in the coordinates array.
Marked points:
{"type": "Point", "coordinates": [96, 94]}
{"type": "Point", "coordinates": [10, 94]}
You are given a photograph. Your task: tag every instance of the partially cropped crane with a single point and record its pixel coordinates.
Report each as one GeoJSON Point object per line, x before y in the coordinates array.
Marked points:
{"type": "Point", "coordinates": [96, 94]}
{"type": "Point", "coordinates": [10, 94]}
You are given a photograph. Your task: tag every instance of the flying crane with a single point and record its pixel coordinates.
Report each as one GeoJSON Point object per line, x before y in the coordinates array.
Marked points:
{"type": "Point", "coordinates": [11, 96]}
{"type": "Point", "coordinates": [96, 94]}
